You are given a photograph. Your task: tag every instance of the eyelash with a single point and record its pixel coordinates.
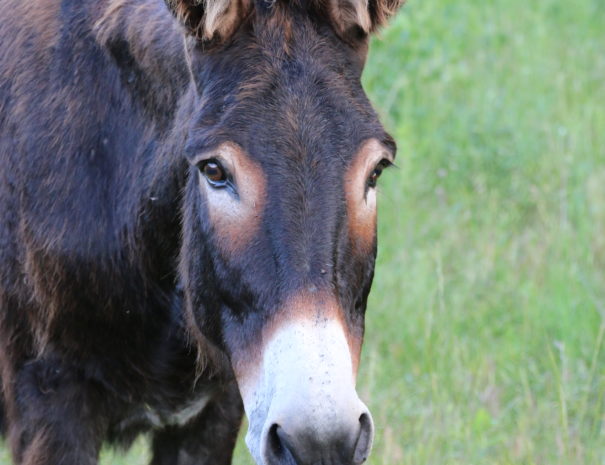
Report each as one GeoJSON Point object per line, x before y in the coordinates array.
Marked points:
{"type": "Point", "coordinates": [376, 172]}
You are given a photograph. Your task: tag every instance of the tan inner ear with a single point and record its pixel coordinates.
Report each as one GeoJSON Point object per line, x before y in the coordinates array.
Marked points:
{"type": "Point", "coordinates": [361, 202]}
{"type": "Point", "coordinates": [235, 220]}
{"type": "Point", "coordinates": [220, 17]}
{"type": "Point", "coordinates": [349, 13]}
{"type": "Point", "coordinates": [223, 16]}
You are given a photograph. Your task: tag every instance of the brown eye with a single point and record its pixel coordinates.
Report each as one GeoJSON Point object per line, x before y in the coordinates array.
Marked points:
{"type": "Point", "coordinates": [214, 173]}
{"type": "Point", "coordinates": [373, 179]}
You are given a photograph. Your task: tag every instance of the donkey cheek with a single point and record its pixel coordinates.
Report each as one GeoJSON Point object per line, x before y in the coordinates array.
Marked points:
{"type": "Point", "coordinates": [361, 199]}
{"type": "Point", "coordinates": [236, 219]}
{"type": "Point", "coordinates": [362, 220]}
{"type": "Point", "coordinates": [234, 228]}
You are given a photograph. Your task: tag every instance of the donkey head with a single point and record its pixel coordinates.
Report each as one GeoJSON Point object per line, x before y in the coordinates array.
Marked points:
{"type": "Point", "coordinates": [279, 222]}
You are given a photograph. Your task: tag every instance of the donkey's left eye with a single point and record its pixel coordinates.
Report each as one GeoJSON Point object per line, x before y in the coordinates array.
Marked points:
{"type": "Point", "coordinates": [374, 175]}
{"type": "Point", "coordinates": [214, 173]}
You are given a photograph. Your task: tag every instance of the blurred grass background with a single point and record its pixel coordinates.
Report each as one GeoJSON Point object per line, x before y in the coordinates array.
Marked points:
{"type": "Point", "coordinates": [485, 329]}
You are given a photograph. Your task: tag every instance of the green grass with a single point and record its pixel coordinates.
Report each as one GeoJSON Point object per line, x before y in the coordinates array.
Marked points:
{"type": "Point", "coordinates": [485, 330]}
{"type": "Point", "coordinates": [486, 324]}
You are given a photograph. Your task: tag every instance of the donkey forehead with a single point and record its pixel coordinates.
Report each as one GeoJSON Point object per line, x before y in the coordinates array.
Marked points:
{"type": "Point", "coordinates": [313, 115]}
{"type": "Point", "coordinates": [285, 79]}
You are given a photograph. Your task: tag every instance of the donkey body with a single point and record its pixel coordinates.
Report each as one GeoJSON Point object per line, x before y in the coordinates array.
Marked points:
{"type": "Point", "coordinates": [187, 220]}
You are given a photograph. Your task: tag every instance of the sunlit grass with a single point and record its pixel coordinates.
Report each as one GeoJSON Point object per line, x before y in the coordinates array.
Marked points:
{"type": "Point", "coordinates": [485, 332]}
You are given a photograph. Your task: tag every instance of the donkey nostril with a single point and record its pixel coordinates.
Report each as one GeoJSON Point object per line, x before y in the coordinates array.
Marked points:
{"type": "Point", "coordinates": [344, 439]}
{"type": "Point", "coordinates": [278, 450]}
{"type": "Point", "coordinates": [364, 441]}
{"type": "Point", "coordinates": [274, 441]}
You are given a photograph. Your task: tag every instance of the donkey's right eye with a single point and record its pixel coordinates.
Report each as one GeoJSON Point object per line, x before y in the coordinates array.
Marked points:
{"type": "Point", "coordinates": [214, 173]}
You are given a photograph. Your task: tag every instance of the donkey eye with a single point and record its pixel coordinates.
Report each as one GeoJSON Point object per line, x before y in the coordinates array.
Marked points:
{"type": "Point", "coordinates": [214, 173]}
{"type": "Point", "coordinates": [373, 179]}
{"type": "Point", "coordinates": [374, 175]}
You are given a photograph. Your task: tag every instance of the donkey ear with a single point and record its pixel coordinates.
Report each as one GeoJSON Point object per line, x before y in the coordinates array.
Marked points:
{"type": "Point", "coordinates": [210, 19]}
{"type": "Point", "coordinates": [367, 15]}
{"type": "Point", "coordinates": [382, 10]}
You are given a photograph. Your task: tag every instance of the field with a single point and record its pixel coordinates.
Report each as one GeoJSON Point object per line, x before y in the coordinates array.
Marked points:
{"type": "Point", "coordinates": [486, 326]}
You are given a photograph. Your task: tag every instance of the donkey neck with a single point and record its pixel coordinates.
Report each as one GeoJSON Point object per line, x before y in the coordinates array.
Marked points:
{"type": "Point", "coordinates": [147, 44]}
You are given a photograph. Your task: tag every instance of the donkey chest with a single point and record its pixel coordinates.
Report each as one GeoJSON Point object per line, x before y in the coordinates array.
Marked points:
{"type": "Point", "coordinates": [180, 415]}
{"type": "Point", "coordinates": [147, 416]}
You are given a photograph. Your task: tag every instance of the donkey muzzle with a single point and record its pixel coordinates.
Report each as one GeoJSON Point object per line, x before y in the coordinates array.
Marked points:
{"type": "Point", "coordinates": [298, 440]}
{"type": "Point", "coordinates": [302, 405]}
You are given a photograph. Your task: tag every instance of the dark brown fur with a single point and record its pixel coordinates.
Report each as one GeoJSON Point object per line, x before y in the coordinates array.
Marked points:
{"type": "Point", "coordinates": [105, 262]}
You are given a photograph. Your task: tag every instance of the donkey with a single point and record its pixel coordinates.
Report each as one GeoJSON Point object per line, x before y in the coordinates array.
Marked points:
{"type": "Point", "coordinates": [187, 227]}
